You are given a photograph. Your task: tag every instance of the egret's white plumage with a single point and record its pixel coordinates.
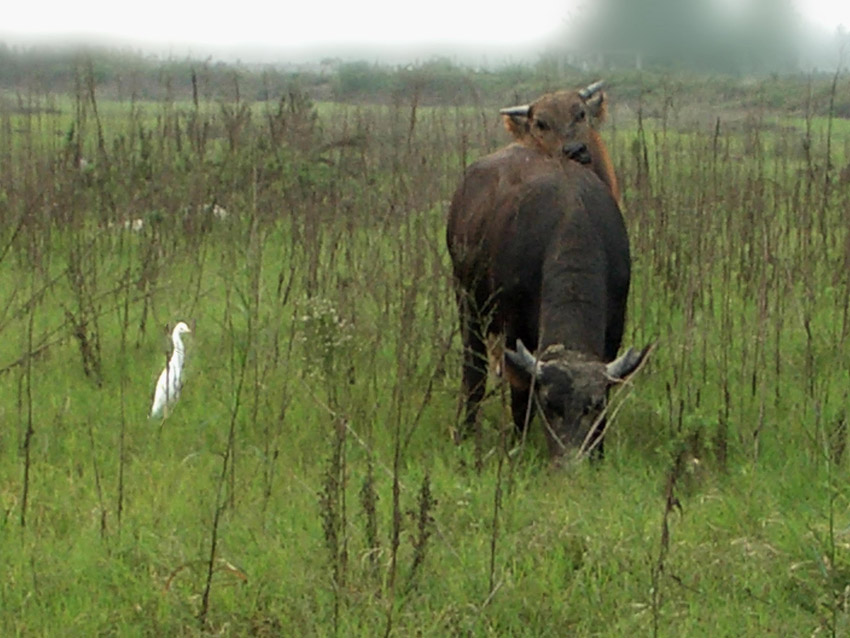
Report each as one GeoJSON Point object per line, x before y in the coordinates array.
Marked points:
{"type": "Point", "coordinates": [169, 383]}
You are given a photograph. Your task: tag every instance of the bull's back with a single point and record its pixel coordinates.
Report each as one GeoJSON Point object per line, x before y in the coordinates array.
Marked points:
{"type": "Point", "coordinates": [485, 202]}
{"type": "Point", "coordinates": [492, 215]}
{"type": "Point", "coordinates": [565, 248]}
{"type": "Point", "coordinates": [511, 213]}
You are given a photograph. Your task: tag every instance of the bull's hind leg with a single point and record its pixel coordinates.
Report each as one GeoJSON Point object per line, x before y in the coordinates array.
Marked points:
{"type": "Point", "coordinates": [598, 451]}
{"type": "Point", "coordinates": [597, 440]}
{"type": "Point", "coordinates": [521, 410]}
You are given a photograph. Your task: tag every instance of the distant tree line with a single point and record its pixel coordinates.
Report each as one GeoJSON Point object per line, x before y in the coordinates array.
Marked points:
{"type": "Point", "coordinates": [126, 75]}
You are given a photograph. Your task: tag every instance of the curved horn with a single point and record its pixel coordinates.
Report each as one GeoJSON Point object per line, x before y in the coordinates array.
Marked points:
{"type": "Point", "coordinates": [626, 364]}
{"type": "Point", "coordinates": [590, 89]}
{"type": "Point", "coordinates": [516, 110]}
{"type": "Point", "coordinates": [523, 359]}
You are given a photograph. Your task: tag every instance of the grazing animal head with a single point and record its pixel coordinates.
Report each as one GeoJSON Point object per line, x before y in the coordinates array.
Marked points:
{"type": "Point", "coordinates": [571, 391]}
{"type": "Point", "coordinates": [563, 125]}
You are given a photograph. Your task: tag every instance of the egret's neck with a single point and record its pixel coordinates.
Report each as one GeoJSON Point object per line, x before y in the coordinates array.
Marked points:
{"type": "Point", "coordinates": [178, 346]}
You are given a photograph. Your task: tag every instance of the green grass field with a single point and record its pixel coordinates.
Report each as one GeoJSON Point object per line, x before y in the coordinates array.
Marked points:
{"type": "Point", "coordinates": [306, 483]}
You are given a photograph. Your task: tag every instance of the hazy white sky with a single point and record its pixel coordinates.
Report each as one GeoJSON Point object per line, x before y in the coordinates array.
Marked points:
{"type": "Point", "coordinates": [289, 23]}
{"type": "Point", "coordinates": [195, 26]}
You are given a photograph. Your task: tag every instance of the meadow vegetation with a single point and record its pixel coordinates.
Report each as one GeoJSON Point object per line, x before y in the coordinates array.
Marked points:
{"type": "Point", "coordinates": [306, 483]}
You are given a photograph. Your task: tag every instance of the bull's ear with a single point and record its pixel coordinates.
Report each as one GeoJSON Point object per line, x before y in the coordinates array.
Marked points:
{"type": "Point", "coordinates": [597, 107]}
{"type": "Point", "coordinates": [516, 119]}
{"type": "Point", "coordinates": [624, 366]}
{"type": "Point", "coordinates": [523, 359]}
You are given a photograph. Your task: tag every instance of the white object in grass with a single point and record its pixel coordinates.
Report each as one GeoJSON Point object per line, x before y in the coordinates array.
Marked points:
{"type": "Point", "coordinates": [169, 383]}
{"type": "Point", "coordinates": [136, 225]}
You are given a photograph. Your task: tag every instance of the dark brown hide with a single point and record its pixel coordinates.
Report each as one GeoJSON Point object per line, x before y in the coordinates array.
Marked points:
{"type": "Point", "coordinates": [540, 253]}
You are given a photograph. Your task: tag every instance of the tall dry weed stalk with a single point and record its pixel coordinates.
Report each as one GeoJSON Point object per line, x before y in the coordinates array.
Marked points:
{"type": "Point", "coordinates": [424, 529]}
{"type": "Point", "coordinates": [123, 312]}
{"type": "Point", "coordinates": [225, 478]}
{"type": "Point", "coordinates": [25, 401]}
{"type": "Point", "coordinates": [332, 503]}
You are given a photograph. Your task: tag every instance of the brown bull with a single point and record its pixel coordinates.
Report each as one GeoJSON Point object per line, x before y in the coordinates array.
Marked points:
{"type": "Point", "coordinates": [562, 125]}
{"type": "Point", "coordinates": [541, 255]}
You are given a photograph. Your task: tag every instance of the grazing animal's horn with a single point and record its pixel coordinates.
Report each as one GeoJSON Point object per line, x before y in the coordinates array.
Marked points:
{"type": "Point", "coordinates": [626, 364]}
{"type": "Point", "coordinates": [590, 89]}
{"type": "Point", "coordinates": [523, 359]}
{"type": "Point", "coordinates": [516, 110]}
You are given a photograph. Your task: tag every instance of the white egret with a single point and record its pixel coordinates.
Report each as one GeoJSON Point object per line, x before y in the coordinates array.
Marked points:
{"type": "Point", "coordinates": [169, 383]}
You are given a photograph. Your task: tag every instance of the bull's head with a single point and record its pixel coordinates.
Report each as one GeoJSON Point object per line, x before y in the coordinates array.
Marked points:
{"type": "Point", "coordinates": [560, 124]}
{"type": "Point", "coordinates": [571, 391]}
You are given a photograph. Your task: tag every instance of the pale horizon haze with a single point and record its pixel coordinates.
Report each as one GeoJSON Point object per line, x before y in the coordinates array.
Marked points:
{"type": "Point", "coordinates": [255, 29]}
